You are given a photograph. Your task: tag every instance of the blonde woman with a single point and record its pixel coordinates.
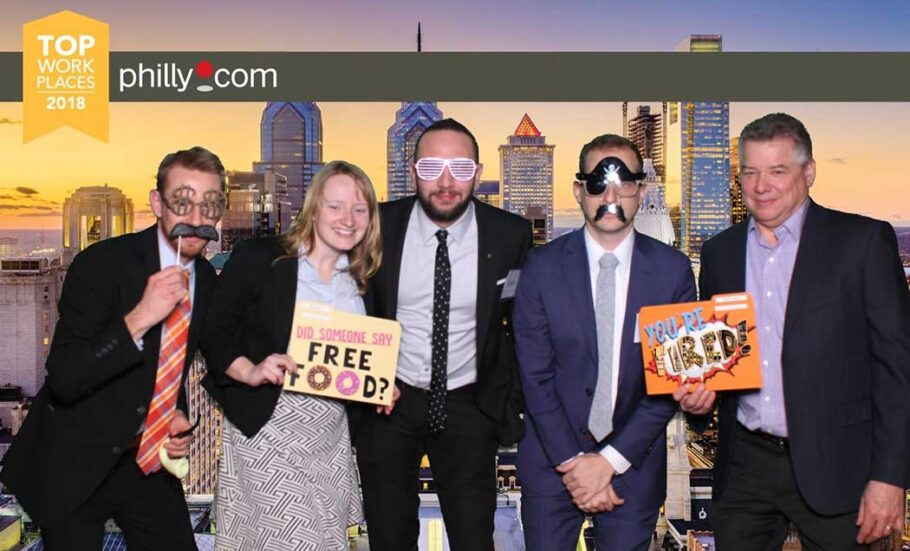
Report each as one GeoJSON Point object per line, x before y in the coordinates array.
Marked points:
{"type": "Point", "coordinates": [286, 479]}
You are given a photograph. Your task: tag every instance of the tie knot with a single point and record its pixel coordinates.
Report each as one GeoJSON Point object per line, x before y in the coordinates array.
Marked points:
{"type": "Point", "coordinates": [608, 261]}
{"type": "Point", "coordinates": [441, 236]}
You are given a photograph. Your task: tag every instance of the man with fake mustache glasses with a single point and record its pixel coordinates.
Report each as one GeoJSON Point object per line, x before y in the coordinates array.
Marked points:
{"type": "Point", "coordinates": [113, 406]}
{"type": "Point", "coordinates": [594, 440]}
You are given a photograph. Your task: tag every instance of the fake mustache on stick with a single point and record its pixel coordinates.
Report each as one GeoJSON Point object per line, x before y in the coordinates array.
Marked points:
{"type": "Point", "coordinates": [610, 208]}
{"type": "Point", "coordinates": [204, 231]}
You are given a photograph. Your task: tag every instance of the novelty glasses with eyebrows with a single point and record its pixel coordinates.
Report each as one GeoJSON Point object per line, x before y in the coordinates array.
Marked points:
{"type": "Point", "coordinates": [461, 168]}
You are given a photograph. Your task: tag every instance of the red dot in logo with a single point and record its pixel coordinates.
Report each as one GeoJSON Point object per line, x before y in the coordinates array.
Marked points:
{"type": "Point", "coordinates": [205, 69]}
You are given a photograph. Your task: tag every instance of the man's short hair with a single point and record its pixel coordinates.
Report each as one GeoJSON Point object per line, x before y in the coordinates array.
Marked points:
{"type": "Point", "coordinates": [194, 158]}
{"type": "Point", "coordinates": [608, 141]}
{"type": "Point", "coordinates": [453, 125]}
{"type": "Point", "coordinates": [778, 125]}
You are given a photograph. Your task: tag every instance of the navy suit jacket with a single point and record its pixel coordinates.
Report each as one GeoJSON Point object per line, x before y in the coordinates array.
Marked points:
{"type": "Point", "coordinates": [556, 337]}
{"type": "Point", "coordinates": [846, 348]}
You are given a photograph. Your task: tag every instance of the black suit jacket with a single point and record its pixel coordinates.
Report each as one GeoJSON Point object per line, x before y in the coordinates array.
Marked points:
{"type": "Point", "coordinates": [251, 315]}
{"type": "Point", "coordinates": [502, 241]}
{"type": "Point", "coordinates": [845, 358]}
{"type": "Point", "coordinates": [99, 384]}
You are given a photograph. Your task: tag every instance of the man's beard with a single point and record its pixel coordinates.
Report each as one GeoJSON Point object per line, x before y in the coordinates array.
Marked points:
{"type": "Point", "coordinates": [437, 215]}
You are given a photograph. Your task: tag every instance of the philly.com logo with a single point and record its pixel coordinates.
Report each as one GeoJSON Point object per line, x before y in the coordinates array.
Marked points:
{"type": "Point", "coordinates": [204, 75]}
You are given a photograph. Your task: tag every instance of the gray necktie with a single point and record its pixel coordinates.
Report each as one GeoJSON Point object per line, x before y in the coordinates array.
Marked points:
{"type": "Point", "coordinates": [600, 421]}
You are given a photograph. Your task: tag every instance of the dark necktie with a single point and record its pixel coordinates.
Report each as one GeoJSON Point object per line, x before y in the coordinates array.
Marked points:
{"type": "Point", "coordinates": [442, 286]}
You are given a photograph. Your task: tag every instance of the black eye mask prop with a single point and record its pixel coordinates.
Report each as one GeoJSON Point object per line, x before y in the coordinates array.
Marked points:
{"type": "Point", "coordinates": [610, 171]}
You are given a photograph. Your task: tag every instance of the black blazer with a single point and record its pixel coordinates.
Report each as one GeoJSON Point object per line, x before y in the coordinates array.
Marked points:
{"type": "Point", "coordinates": [99, 384]}
{"type": "Point", "coordinates": [503, 239]}
{"type": "Point", "coordinates": [251, 314]}
{"type": "Point", "coordinates": [845, 364]}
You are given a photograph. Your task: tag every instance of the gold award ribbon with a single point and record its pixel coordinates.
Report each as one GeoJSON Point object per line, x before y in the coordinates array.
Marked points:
{"type": "Point", "coordinates": [65, 75]}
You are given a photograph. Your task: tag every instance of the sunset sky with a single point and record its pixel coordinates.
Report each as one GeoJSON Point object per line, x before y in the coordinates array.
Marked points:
{"type": "Point", "coordinates": [862, 148]}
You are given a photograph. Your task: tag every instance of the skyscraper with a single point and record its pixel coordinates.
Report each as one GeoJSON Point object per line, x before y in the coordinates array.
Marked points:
{"type": "Point", "coordinates": [291, 145]}
{"type": "Point", "coordinates": [94, 213]}
{"type": "Point", "coordinates": [488, 192]}
{"type": "Point", "coordinates": [9, 246]}
{"type": "Point", "coordinates": [906, 535]}
{"type": "Point", "coordinates": [537, 215]}
{"type": "Point", "coordinates": [411, 119]}
{"type": "Point", "coordinates": [738, 211]}
{"type": "Point", "coordinates": [205, 449]}
{"type": "Point", "coordinates": [625, 119]}
{"type": "Point", "coordinates": [678, 504]}
{"type": "Point", "coordinates": [698, 161]}
{"type": "Point", "coordinates": [646, 131]}
{"type": "Point", "coordinates": [653, 217]}
{"type": "Point", "coordinates": [526, 167]}
{"type": "Point", "coordinates": [30, 288]}
{"type": "Point", "coordinates": [258, 205]}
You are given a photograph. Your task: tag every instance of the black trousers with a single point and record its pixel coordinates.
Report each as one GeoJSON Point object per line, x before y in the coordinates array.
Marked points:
{"type": "Point", "coordinates": [462, 459]}
{"type": "Point", "coordinates": [150, 510]}
{"type": "Point", "coordinates": [761, 498]}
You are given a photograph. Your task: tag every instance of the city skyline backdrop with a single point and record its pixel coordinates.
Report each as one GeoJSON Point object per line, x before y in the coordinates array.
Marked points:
{"type": "Point", "coordinates": [860, 147]}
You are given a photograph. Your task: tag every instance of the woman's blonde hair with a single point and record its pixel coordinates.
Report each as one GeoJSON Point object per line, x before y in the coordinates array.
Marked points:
{"type": "Point", "coordinates": [366, 257]}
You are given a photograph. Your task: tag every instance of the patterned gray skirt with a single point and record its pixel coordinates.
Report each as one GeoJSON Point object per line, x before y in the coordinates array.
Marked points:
{"type": "Point", "coordinates": [293, 486]}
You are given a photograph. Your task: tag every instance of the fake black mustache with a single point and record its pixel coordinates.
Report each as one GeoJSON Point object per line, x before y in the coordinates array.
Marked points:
{"type": "Point", "coordinates": [204, 231]}
{"type": "Point", "coordinates": [611, 208]}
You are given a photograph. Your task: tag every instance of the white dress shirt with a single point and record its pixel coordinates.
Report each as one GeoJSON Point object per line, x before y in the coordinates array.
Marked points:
{"type": "Point", "coordinates": [623, 254]}
{"type": "Point", "coordinates": [415, 300]}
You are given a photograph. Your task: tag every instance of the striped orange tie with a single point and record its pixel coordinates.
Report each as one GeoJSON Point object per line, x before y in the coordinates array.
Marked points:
{"type": "Point", "coordinates": [167, 385]}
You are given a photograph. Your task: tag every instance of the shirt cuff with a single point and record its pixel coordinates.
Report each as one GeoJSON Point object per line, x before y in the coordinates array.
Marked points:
{"type": "Point", "coordinates": [139, 344]}
{"type": "Point", "coordinates": [620, 464]}
{"type": "Point", "coordinates": [571, 458]}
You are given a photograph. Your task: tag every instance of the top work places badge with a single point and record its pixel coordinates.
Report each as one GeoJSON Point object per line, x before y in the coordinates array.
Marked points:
{"type": "Point", "coordinates": [65, 75]}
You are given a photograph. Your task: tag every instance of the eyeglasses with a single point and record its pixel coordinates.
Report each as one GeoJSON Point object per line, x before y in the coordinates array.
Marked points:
{"type": "Point", "coordinates": [212, 206]}
{"type": "Point", "coordinates": [430, 168]}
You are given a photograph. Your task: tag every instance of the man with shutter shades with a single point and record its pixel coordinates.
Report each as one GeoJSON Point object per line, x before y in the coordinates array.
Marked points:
{"type": "Point", "coordinates": [447, 260]}
{"type": "Point", "coordinates": [129, 318]}
{"type": "Point", "coordinates": [594, 440]}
